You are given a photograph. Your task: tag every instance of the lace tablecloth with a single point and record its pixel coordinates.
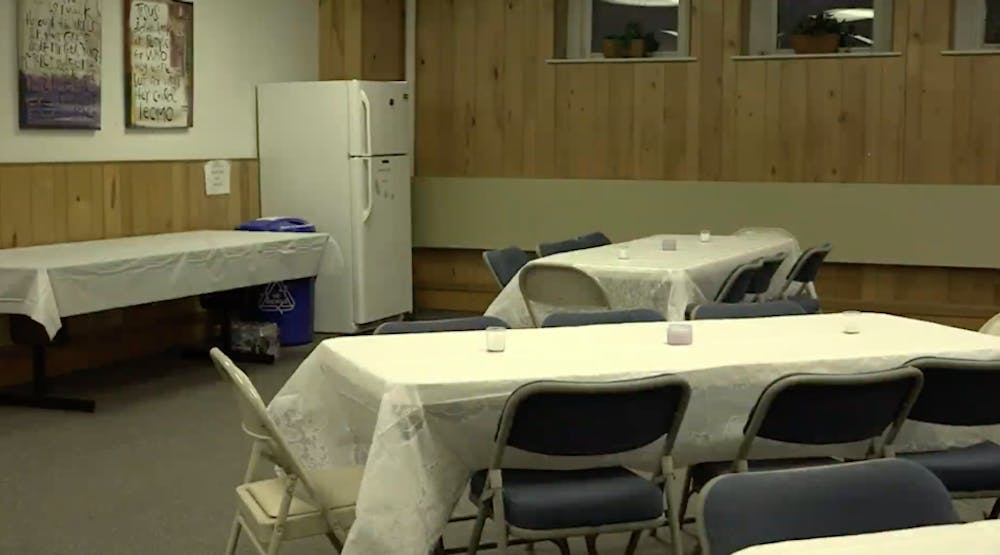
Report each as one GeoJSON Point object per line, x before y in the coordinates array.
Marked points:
{"type": "Point", "coordinates": [667, 281]}
{"type": "Point", "coordinates": [420, 410]}
{"type": "Point", "coordinates": [50, 282]}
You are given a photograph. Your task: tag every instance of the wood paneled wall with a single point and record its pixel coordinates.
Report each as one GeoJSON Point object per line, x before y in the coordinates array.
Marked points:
{"type": "Point", "coordinates": [54, 203]}
{"type": "Point", "coordinates": [362, 39]}
{"type": "Point", "coordinates": [489, 106]}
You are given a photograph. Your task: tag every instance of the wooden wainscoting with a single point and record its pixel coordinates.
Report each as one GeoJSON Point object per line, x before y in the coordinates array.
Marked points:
{"type": "Point", "coordinates": [55, 203]}
{"type": "Point", "coordinates": [457, 279]}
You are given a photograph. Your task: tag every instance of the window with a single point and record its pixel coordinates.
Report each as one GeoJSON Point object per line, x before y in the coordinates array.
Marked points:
{"type": "Point", "coordinates": [977, 24]}
{"type": "Point", "coordinates": [663, 23]}
{"type": "Point", "coordinates": [866, 24]}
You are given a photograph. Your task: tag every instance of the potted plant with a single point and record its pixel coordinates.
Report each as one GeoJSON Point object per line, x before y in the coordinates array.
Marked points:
{"type": "Point", "coordinates": [635, 42]}
{"type": "Point", "coordinates": [817, 34]}
{"type": "Point", "coordinates": [613, 46]}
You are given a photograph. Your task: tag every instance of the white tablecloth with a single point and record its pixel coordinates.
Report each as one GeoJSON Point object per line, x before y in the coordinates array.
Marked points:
{"type": "Point", "coordinates": [49, 282]}
{"type": "Point", "coordinates": [667, 281]}
{"type": "Point", "coordinates": [975, 538]}
{"type": "Point", "coordinates": [421, 410]}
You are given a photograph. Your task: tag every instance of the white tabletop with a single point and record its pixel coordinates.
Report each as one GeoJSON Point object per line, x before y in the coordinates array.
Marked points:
{"type": "Point", "coordinates": [53, 281]}
{"type": "Point", "coordinates": [421, 410]}
{"type": "Point", "coordinates": [664, 280]}
{"type": "Point", "coordinates": [975, 538]}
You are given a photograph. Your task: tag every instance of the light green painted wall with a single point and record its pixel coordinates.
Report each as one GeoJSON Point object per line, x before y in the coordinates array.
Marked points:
{"type": "Point", "coordinates": [927, 225]}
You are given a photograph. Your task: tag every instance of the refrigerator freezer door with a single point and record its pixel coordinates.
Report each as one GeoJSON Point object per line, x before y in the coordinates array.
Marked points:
{"type": "Point", "coordinates": [379, 118]}
{"type": "Point", "coordinates": [383, 272]}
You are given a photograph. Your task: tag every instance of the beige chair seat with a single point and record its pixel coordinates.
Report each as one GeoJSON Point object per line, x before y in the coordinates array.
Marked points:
{"type": "Point", "coordinates": [260, 503]}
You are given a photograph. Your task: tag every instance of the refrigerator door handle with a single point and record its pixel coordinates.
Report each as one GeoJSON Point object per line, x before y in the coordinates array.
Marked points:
{"type": "Point", "coordinates": [371, 195]}
{"type": "Point", "coordinates": [367, 105]}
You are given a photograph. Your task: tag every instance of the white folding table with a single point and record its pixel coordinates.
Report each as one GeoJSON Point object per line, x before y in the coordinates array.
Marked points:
{"type": "Point", "coordinates": [974, 538]}
{"type": "Point", "coordinates": [50, 282]}
{"type": "Point", "coordinates": [664, 280]}
{"type": "Point", "coordinates": [421, 410]}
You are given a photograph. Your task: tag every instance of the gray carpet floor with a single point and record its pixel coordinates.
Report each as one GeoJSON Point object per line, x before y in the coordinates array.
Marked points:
{"type": "Point", "coordinates": [152, 472]}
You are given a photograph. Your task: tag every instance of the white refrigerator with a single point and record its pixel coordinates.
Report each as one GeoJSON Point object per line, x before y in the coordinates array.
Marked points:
{"type": "Point", "coordinates": [337, 153]}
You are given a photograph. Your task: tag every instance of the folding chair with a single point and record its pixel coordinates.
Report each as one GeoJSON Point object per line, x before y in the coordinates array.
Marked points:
{"type": "Point", "coordinates": [562, 419]}
{"type": "Point", "coordinates": [761, 282]}
{"type": "Point", "coordinates": [802, 276]}
{"type": "Point", "coordinates": [764, 230]}
{"type": "Point", "coordinates": [716, 311]}
{"type": "Point", "coordinates": [594, 239]}
{"type": "Point", "coordinates": [743, 510]}
{"type": "Point", "coordinates": [299, 504]}
{"type": "Point", "coordinates": [961, 393]}
{"type": "Point", "coordinates": [567, 319]}
{"type": "Point", "coordinates": [450, 324]}
{"type": "Point", "coordinates": [820, 409]}
{"type": "Point", "coordinates": [505, 263]}
{"type": "Point", "coordinates": [556, 247]}
{"type": "Point", "coordinates": [737, 285]}
{"type": "Point", "coordinates": [561, 287]}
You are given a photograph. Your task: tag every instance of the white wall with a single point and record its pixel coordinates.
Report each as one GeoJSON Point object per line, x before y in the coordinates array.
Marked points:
{"type": "Point", "coordinates": [237, 44]}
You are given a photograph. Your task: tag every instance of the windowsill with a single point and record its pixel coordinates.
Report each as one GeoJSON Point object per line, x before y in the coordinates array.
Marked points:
{"type": "Point", "coordinates": [817, 56]}
{"type": "Point", "coordinates": [978, 52]}
{"type": "Point", "coordinates": [649, 60]}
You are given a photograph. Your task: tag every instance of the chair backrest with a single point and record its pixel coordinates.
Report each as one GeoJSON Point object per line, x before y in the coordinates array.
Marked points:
{"type": "Point", "coordinates": [992, 327]}
{"type": "Point", "coordinates": [807, 265]}
{"type": "Point", "coordinates": [560, 286]}
{"type": "Point", "coordinates": [764, 230]}
{"type": "Point", "coordinates": [594, 239]}
{"type": "Point", "coordinates": [958, 392]}
{"type": "Point", "coordinates": [761, 282]}
{"type": "Point", "coordinates": [450, 324]}
{"type": "Point", "coordinates": [556, 247]}
{"type": "Point", "coordinates": [716, 311]}
{"type": "Point", "coordinates": [825, 409]}
{"type": "Point", "coordinates": [257, 423]}
{"type": "Point", "coordinates": [590, 419]}
{"type": "Point", "coordinates": [742, 510]}
{"type": "Point", "coordinates": [565, 319]}
{"type": "Point", "coordinates": [505, 263]}
{"type": "Point", "coordinates": [736, 286]}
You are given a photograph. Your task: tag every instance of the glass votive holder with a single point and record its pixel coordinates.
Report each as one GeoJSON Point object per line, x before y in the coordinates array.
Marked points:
{"type": "Point", "coordinates": [496, 339]}
{"type": "Point", "coordinates": [705, 236]}
{"type": "Point", "coordinates": [852, 321]}
{"type": "Point", "coordinates": [669, 244]}
{"type": "Point", "coordinates": [623, 253]}
{"type": "Point", "coordinates": [679, 334]}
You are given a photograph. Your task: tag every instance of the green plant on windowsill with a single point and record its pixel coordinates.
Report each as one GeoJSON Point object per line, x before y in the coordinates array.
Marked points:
{"type": "Point", "coordinates": [636, 43]}
{"type": "Point", "coordinates": [817, 34]}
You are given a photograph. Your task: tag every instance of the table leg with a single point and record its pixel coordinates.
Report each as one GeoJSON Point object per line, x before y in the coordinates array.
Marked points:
{"type": "Point", "coordinates": [39, 396]}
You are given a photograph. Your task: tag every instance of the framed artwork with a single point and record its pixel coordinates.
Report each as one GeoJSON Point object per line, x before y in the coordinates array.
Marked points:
{"type": "Point", "coordinates": [59, 64]}
{"type": "Point", "coordinates": [159, 64]}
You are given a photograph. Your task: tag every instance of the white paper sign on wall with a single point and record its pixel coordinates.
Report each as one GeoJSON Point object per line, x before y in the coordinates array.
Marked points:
{"type": "Point", "coordinates": [217, 177]}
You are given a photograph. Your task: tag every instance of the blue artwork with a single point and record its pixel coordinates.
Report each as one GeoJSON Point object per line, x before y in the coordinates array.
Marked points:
{"type": "Point", "coordinates": [59, 64]}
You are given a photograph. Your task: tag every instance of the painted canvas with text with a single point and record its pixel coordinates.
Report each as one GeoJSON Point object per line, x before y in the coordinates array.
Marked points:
{"type": "Point", "coordinates": [59, 64]}
{"type": "Point", "coordinates": [159, 63]}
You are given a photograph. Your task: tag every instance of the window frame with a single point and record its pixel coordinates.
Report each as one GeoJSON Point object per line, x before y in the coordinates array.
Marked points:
{"type": "Point", "coordinates": [969, 28]}
{"type": "Point", "coordinates": [763, 32]}
{"type": "Point", "coordinates": [579, 31]}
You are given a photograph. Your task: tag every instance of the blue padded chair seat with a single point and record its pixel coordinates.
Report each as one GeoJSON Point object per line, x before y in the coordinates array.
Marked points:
{"type": "Point", "coordinates": [702, 473]}
{"type": "Point", "coordinates": [808, 304]}
{"type": "Point", "coordinates": [973, 468]}
{"type": "Point", "coordinates": [556, 499]}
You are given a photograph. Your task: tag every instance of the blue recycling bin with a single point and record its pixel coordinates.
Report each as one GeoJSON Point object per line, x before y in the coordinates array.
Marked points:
{"type": "Point", "coordinates": [289, 304]}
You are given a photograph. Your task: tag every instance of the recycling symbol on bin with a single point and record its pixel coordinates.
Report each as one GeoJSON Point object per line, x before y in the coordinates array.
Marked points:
{"type": "Point", "coordinates": [276, 298]}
